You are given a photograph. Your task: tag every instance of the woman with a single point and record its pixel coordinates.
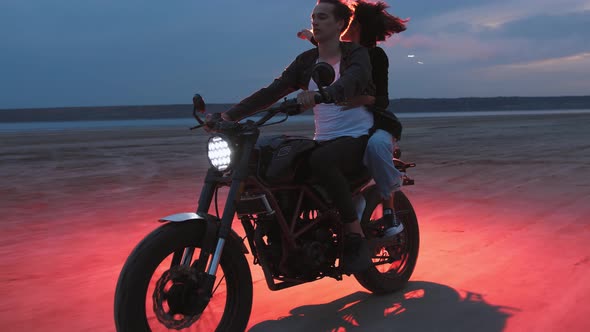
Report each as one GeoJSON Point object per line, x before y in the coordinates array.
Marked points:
{"type": "Point", "coordinates": [371, 24]}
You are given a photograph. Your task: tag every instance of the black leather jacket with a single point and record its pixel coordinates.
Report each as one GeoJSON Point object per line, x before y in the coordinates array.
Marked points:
{"type": "Point", "coordinates": [355, 79]}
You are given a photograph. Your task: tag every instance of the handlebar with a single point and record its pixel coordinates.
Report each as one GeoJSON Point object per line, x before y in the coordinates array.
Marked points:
{"type": "Point", "coordinates": [288, 107]}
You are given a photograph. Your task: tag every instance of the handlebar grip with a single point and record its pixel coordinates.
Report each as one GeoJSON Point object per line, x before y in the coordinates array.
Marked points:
{"type": "Point", "coordinates": [289, 103]}
{"type": "Point", "coordinates": [323, 97]}
{"type": "Point", "coordinates": [318, 99]}
{"type": "Point", "coordinates": [291, 107]}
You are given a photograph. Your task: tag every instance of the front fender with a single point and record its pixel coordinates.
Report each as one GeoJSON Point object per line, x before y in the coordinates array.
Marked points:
{"type": "Point", "coordinates": [182, 217]}
{"type": "Point", "coordinates": [208, 219]}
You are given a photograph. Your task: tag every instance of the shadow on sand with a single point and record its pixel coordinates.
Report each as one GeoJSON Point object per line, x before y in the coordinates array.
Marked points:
{"type": "Point", "coordinates": [421, 306]}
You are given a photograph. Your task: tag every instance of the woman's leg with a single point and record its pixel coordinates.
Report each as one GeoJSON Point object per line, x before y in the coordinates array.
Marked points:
{"type": "Point", "coordinates": [378, 159]}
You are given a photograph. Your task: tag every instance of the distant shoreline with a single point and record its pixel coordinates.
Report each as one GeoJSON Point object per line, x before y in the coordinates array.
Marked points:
{"type": "Point", "coordinates": [404, 105]}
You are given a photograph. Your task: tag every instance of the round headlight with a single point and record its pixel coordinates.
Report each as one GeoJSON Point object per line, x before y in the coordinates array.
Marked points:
{"type": "Point", "coordinates": [219, 153]}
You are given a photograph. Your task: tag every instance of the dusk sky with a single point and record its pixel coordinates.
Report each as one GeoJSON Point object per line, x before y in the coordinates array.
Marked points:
{"type": "Point", "coordinates": [131, 52]}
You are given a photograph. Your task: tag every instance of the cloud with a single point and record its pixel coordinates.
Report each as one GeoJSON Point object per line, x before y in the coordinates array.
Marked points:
{"type": "Point", "coordinates": [558, 76]}
{"type": "Point", "coordinates": [496, 14]}
{"type": "Point", "coordinates": [495, 34]}
{"type": "Point", "coordinates": [574, 63]}
{"type": "Point", "coordinates": [113, 52]}
{"type": "Point", "coordinates": [565, 75]}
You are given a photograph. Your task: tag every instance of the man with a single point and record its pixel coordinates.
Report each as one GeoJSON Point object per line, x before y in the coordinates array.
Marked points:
{"type": "Point", "coordinates": [342, 136]}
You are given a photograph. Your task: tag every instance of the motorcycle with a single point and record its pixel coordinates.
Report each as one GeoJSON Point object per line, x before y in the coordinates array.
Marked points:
{"type": "Point", "coordinates": [191, 273]}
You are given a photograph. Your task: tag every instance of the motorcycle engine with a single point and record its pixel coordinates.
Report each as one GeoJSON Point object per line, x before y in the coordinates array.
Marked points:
{"type": "Point", "coordinates": [316, 253]}
{"type": "Point", "coordinates": [316, 248]}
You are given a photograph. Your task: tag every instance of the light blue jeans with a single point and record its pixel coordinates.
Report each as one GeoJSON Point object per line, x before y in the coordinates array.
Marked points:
{"type": "Point", "coordinates": [379, 160]}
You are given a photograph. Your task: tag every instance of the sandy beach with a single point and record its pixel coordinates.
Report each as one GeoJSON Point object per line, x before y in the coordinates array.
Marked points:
{"type": "Point", "coordinates": [502, 202]}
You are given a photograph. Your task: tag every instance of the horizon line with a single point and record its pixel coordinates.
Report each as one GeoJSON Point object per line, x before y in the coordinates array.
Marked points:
{"type": "Point", "coordinates": [233, 103]}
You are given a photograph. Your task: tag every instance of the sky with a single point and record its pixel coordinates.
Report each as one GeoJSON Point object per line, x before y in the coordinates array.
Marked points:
{"type": "Point", "coordinates": [68, 53]}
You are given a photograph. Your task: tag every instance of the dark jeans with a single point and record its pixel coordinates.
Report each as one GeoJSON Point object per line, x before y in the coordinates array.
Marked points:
{"type": "Point", "coordinates": [330, 162]}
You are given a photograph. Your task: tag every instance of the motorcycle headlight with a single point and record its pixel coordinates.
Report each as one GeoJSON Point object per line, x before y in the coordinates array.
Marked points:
{"type": "Point", "coordinates": [219, 152]}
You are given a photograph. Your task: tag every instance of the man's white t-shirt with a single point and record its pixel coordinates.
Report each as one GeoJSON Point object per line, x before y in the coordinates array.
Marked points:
{"type": "Point", "coordinates": [332, 122]}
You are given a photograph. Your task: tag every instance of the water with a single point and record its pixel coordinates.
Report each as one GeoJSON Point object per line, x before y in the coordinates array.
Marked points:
{"type": "Point", "coordinates": [89, 125]}
{"type": "Point", "coordinates": [184, 123]}
{"type": "Point", "coordinates": [487, 113]}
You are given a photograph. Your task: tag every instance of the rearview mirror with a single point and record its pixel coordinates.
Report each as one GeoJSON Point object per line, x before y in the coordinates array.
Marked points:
{"type": "Point", "coordinates": [198, 104]}
{"type": "Point", "coordinates": [323, 74]}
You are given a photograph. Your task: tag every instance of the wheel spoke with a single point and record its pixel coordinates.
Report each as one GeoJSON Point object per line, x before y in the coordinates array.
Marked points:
{"type": "Point", "coordinates": [219, 283]}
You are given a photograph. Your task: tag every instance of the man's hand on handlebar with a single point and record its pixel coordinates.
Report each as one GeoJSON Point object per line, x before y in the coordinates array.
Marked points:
{"type": "Point", "coordinates": [217, 121]}
{"type": "Point", "coordinates": [308, 99]}
{"type": "Point", "coordinates": [211, 121]}
{"type": "Point", "coordinates": [226, 117]}
{"type": "Point", "coordinates": [304, 101]}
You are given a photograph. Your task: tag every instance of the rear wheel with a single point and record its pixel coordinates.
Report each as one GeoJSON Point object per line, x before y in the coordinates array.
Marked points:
{"type": "Point", "coordinates": [394, 260]}
{"type": "Point", "coordinates": [155, 292]}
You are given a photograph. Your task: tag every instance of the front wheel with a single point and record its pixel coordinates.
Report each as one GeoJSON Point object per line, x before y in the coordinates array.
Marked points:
{"type": "Point", "coordinates": [155, 292]}
{"type": "Point", "coordinates": [393, 262]}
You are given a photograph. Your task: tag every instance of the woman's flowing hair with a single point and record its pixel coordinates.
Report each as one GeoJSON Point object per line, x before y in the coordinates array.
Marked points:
{"type": "Point", "coordinates": [375, 22]}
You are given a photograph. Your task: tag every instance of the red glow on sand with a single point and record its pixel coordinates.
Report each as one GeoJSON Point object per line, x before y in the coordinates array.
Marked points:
{"type": "Point", "coordinates": [350, 320]}
{"type": "Point", "coordinates": [464, 247]}
{"type": "Point", "coordinates": [348, 305]}
{"type": "Point", "coordinates": [88, 264]}
{"type": "Point", "coordinates": [416, 294]}
{"type": "Point", "coordinates": [394, 310]}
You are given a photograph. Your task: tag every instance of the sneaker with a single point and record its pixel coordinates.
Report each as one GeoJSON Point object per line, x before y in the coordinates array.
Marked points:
{"type": "Point", "coordinates": [393, 224]}
{"type": "Point", "coordinates": [356, 256]}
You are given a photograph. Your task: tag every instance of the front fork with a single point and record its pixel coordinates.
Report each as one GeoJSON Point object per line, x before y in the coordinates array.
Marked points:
{"type": "Point", "coordinates": [212, 180]}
